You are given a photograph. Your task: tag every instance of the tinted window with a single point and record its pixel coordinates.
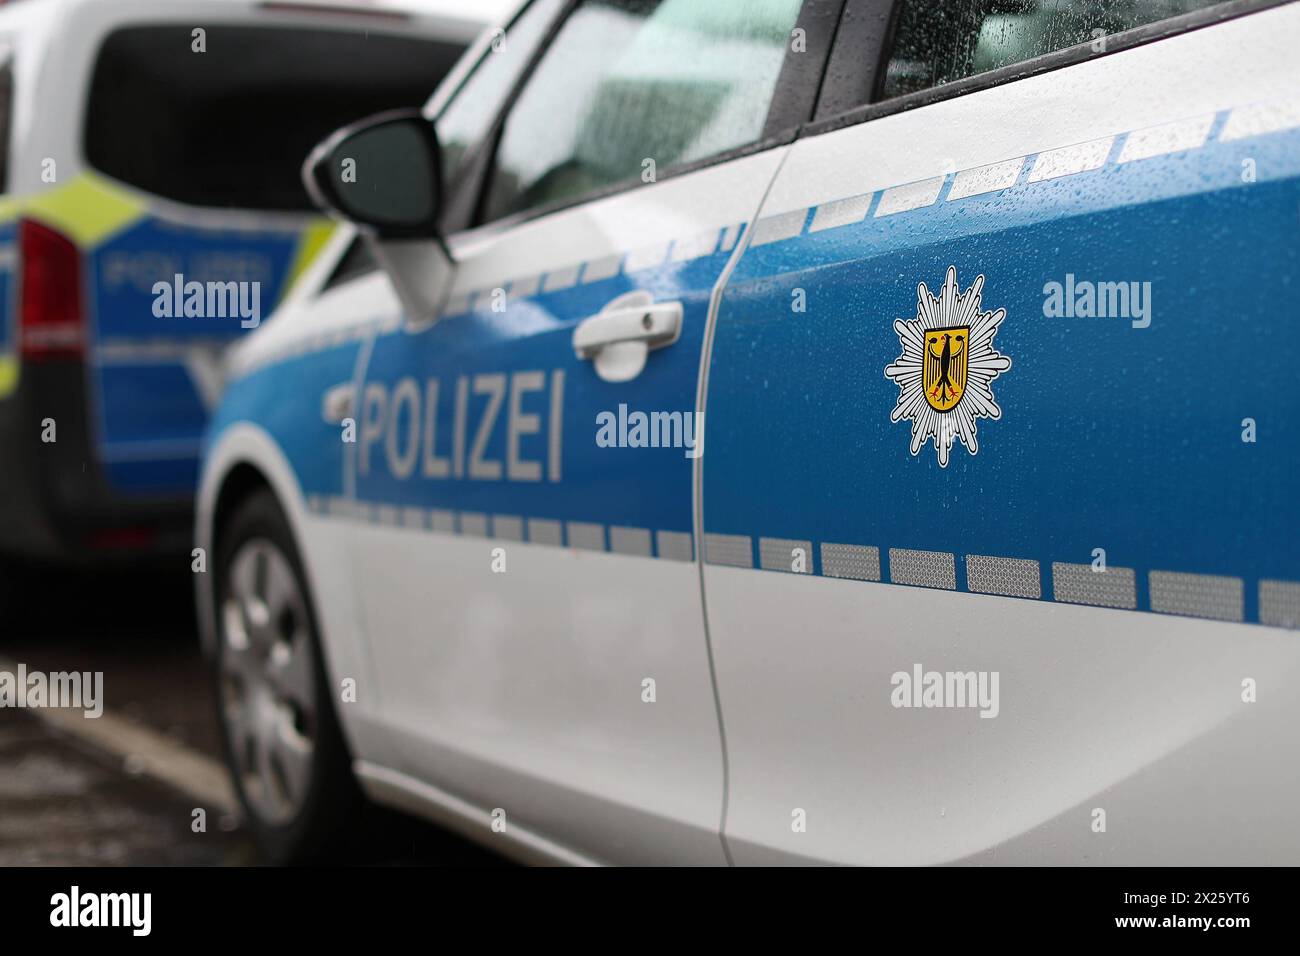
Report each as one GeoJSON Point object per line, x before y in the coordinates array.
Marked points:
{"type": "Point", "coordinates": [231, 126]}
{"type": "Point", "coordinates": [938, 41]}
{"type": "Point", "coordinates": [629, 82]}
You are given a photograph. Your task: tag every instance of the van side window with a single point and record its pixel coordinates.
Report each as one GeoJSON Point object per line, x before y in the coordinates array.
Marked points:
{"type": "Point", "coordinates": [629, 88]}
{"type": "Point", "coordinates": [230, 127]}
{"type": "Point", "coordinates": [939, 41]}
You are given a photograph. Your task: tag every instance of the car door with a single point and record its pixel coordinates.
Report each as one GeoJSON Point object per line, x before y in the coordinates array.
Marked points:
{"type": "Point", "coordinates": [1006, 397]}
{"type": "Point", "coordinates": [524, 463]}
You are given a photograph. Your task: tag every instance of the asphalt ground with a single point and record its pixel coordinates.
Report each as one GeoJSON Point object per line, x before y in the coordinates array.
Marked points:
{"type": "Point", "coordinates": [125, 789]}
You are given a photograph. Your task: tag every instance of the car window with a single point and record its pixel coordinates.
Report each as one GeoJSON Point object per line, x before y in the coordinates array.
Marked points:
{"type": "Point", "coordinates": [630, 88]}
{"type": "Point", "coordinates": [470, 114]}
{"type": "Point", "coordinates": [939, 41]}
{"type": "Point", "coordinates": [241, 115]}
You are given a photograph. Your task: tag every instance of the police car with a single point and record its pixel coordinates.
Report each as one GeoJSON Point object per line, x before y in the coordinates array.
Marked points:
{"type": "Point", "coordinates": [834, 431]}
{"type": "Point", "coordinates": [151, 213]}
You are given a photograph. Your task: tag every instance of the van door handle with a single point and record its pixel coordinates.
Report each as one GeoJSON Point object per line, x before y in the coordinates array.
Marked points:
{"type": "Point", "coordinates": [621, 335]}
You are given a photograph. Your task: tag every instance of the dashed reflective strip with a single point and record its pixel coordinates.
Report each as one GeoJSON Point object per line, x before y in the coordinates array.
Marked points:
{"type": "Point", "coordinates": [473, 524]}
{"type": "Point", "coordinates": [508, 527]}
{"type": "Point", "coordinates": [563, 278]}
{"type": "Point", "coordinates": [910, 196]}
{"type": "Point", "coordinates": [525, 287]}
{"type": "Point", "coordinates": [603, 268]}
{"type": "Point", "coordinates": [923, 569]}
{"type": "Point", "coordinates": [1214, 597]}
{"type": "Point", "coordinates": [1279, 603]}
{"type": "Point", "coordinates": [735, 550]}
{"type": "Point", "coordinates": [635, 541]}
{"type": "Point", "coordinates": [1178, 136]}
{"type": "Point", "coordinates": [986, 179]}
{"type": "Point", "coordinates": [1080, 584]}
{"type": "Point", "coordinates": [1167, 138]}
{"type": "Point", "coordinates": [1068, 160]}
{"type": "Point", "coordinates": [1010, 577]}
{"type": "Point", "coordinates": [841, 212]}
{"type": "Point", "coordinates": [545, 531]}
{"type": "Point", "coordinates": [1197, 595]}
{"type": "Point", "coordinates": [1258, 119]}
{"type": "Point", "coordinates": [647, 257]}
{"type": "Point", "coordinates": [779, 554]}
{"type": "Point", "coordinates": [695, 247]}
{"type": "Point", "coordinates": [787, 225]}
{"type": "Point", "coordinates": [675, 545]}
{"type": "Point", "coordinates": [851, 561]}
{"type": "Point", "coordinates": [585, 535]}
{"type": "Point", "coordinates": [339, 507]}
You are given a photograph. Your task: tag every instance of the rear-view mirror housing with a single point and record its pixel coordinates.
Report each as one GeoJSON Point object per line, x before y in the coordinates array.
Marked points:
{"type": "Point", "coordinates": [382, 173]}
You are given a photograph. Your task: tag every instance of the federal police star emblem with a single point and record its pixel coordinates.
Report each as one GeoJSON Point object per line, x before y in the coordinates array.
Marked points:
{"type": "Point", "coordinates": [948, 365]}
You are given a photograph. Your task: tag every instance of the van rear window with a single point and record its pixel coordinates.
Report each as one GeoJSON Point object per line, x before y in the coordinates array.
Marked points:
{"type": "Point", "coordinates": [231, 126]}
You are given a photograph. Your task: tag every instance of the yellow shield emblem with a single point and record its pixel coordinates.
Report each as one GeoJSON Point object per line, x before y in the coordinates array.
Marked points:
{"type": "Point", "coordinates": [944, 375]}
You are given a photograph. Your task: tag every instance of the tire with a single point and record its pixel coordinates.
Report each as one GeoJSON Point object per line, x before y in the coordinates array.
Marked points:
{"type": "Point", "coordinates": [13, 583]}
{"type": "Point", "coordinates": [286, 753]}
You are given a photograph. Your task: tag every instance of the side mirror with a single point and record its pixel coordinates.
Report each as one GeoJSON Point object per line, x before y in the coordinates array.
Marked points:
{"type": "Point", "coordinates": [383, 173]}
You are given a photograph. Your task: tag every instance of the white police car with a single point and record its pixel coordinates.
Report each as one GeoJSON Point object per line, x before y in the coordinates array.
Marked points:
{"type": "Point", "coordinates": [150, 213]}
{"type": "Point", "coordinates": [798, 430]}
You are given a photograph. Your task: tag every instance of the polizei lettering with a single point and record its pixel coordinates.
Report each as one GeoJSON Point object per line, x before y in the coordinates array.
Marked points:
{"type": "Point", "coordinates": [492, 426]}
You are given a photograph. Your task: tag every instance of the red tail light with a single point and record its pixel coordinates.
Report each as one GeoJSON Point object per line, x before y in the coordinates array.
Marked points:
{"type": "Point", "coordinates": [52, 316]}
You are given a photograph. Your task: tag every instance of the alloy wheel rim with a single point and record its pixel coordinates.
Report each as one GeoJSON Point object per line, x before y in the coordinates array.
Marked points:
{"type": "Point", "coordinates": [267, 670]}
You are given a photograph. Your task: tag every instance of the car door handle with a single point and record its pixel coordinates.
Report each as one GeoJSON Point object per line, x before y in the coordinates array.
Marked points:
{"type": "Point", "coordinates": [339, 403]}
{"type": "Point", "coordinates": [621, 335]}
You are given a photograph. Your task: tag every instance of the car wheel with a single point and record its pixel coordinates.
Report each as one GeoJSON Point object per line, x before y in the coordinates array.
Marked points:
{"type": "Point", "coordinates": [287, 756]}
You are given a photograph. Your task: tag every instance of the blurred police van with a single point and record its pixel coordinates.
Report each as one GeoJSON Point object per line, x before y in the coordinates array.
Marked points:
{"type": "Point", "coordinates": [151, 213]}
